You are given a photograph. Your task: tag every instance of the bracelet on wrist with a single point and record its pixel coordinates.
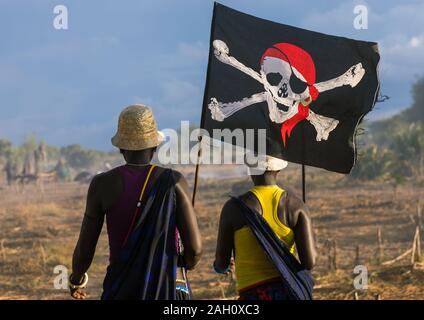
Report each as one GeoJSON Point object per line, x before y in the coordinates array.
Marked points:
{"type": "Point", "coordinates": [221, 271]}
{"type": "Point", "coordinates": [82, 285]}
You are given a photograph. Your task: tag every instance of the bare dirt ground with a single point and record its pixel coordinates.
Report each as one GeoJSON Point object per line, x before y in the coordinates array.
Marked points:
{"type": "Point", "coordinates": [38, 231]}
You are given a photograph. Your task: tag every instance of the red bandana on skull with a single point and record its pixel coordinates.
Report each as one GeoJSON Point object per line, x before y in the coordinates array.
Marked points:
{"type": "Point", "coordinates": [300, 60]}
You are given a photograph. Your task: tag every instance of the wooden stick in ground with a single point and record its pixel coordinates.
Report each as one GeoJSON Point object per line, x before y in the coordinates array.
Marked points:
{"type": "Point", "coordinates": [418, 244]}
{"type": "Point", "coordinates": [3, 252]}
{"type": "Point", "coordinates": [355, 295]}
{"type": "Point", "coordinates": [379, 246]}
{"type": "Point", "coordinates": [414, 244]}
{"type": "Point", "coordinates": [328, 247]}
{"type": "Point", "coordinates": [357, 258]}
{"type": "Point", "coordinates": [43, 254]}
{"type": "Point", "coordinates": [403, 255]}
{"type": "Point", "coordinates": [419, 218]}
{"type": "Point", "coordinates": [347, 295]}
{"type": "Point", "coordinates": [334, 255]}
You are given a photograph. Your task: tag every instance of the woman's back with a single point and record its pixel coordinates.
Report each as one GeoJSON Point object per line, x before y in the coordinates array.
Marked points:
{"type": "Point", "coordinates": [120, 215]}
{"type": "Point", "coordinates": [252, 264]}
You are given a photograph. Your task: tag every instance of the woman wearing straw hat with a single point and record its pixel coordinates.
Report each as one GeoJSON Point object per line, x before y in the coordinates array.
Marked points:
{"type": "Point", "coordinates": [148, 215]}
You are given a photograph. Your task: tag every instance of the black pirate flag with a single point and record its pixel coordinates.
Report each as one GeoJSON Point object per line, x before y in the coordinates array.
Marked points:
{"type": "Point", "coordinates": [307, 89]}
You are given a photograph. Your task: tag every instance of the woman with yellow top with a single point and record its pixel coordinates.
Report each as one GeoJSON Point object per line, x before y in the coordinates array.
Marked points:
{"type": "Point", "coordinates": [287, 216]}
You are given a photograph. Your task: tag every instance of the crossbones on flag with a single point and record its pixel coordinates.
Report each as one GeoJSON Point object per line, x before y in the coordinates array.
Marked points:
{"type": "Point", "coordinates": [308, 90]}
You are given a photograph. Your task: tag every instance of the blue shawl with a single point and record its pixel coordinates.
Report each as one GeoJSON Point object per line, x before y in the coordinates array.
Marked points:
{"type": "Point", "coordinates": [298, 280]}
{"type": "Point", "coordinates": [146, 267]}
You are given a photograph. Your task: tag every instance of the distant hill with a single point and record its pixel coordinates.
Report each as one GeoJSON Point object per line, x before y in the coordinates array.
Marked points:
{"type": "Point", "coordinates": [416, 111]}
{"type": "Point", "coordinates": [414, 114]}
{"type": "Point", "coordinates": [392, 150]}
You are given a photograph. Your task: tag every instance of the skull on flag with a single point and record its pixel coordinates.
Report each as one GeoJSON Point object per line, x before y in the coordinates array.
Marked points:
{"type": "Point", "coordinates": [288, 75]}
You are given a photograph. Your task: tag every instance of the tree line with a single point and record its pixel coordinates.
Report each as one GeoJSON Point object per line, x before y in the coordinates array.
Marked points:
{"type": "Point", "coordinates": [394, 147]}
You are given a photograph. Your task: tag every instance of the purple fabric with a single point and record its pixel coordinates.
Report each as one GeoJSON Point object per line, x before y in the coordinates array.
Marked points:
{"type": "Point", "coordinates": [121, 213]}
{"type": "Point", "coordinates": [146, 266]}
{"type": "Point", "coordinates": [273, 290]}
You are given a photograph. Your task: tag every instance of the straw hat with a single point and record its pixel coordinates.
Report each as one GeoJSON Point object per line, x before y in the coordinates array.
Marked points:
{"type": "Point", "coordinates": [137, 129]}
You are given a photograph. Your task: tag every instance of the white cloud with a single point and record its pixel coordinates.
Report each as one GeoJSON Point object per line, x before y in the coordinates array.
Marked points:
{"type": "Point", "coordinates": [179, 76]}
{"type": "Point", "coordinates": [416, 42]}
{"type": "Point", "coordinates": [393, 25]}
{"type": "Point", "coordinates": [194, 51]}
{"type": "Point", "coordinates": [178, 91]}
{"type": "Point", "coordinates": [402, 56]}
{"type": "Point", "coordinates": [65, 49]}
{"type": "Point", "coordinates": [90, 135]}
{"type": "Point", "coordinates": [179, 100]}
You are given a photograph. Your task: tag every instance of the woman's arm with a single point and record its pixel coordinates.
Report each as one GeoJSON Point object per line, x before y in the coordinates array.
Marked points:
{"type": "Point", "coordinates": [225, 241]}
{"type": "Point", "coordinates": [90, 230]}
{"type": "Point", "coordinates": [187, 224]}
{"type": "Point", "coordinates": [305, 243]}
{"type": "Point", "coordinates": [301, 224]}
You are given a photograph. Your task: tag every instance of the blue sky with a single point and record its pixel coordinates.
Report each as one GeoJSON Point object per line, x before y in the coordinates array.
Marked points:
{"type": "Point", "coordinates": [68, 86]}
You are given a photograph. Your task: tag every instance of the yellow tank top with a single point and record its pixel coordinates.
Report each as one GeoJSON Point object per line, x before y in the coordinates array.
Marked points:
{"type": "Point", "coordinates": [252, 264]}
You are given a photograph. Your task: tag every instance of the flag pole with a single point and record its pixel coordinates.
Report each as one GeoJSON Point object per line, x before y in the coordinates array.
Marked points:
{"type": "Point", "coordinates": [199, 152]}
{"type": "Point", "coordinates": [303, 164]}
{"type": "Point", "coordinates": [196, 174]}
{"type": "Point", "coordinates": [303, 184]}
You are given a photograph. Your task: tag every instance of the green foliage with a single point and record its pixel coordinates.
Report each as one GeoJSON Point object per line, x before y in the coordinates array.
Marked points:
{"type": "Point", "coordinates": [408, 143]}
{"type": "Point", "coordinates": [52, 152]}
{"type": "Point", "coordinates": [62, 171]}
{"type": "Point", "coordinates": [71, 157]}
{"type": "Point", "coordinates": [416, 112]}
{"type": "Point", "coordinates": [400, 156]}
{"type": "Point", "coordinates": [5, 147]}
{"type": "Point", "coordinates": [381, 131]}
{"type": "Point", "coordinates": [77, 157]}
{"type": "Point", "coordinates": [374, 162]}
{"type": "Point", "coordinates": [397, 145]}
{"type": "Point", "coordinates": [30, 144]}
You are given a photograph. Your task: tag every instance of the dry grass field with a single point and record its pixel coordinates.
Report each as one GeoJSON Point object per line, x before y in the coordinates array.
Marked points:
{"type": "Point", "coordinates": [38, 231]}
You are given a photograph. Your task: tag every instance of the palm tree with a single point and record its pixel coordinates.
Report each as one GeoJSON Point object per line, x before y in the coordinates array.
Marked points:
{"type": "Point", "coordinates": [408, 144]}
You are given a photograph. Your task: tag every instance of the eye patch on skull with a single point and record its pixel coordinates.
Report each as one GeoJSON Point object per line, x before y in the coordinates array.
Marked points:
{"type": "Point", "coordinates": [297, 85]}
